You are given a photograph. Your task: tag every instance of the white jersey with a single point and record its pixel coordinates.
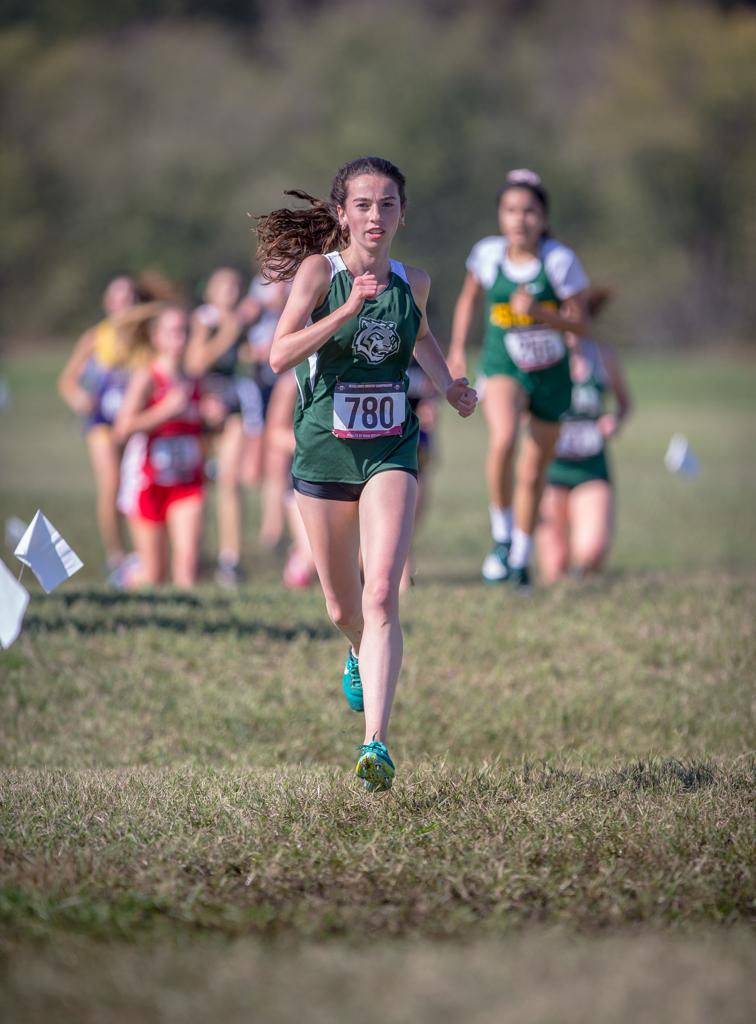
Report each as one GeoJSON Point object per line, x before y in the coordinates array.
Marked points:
{"type": "Point", "coordinates": [561, 265]}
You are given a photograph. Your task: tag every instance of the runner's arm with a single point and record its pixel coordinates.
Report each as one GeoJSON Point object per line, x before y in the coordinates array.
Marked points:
{"type": "Point", "coordinates": [134, 418]}
{"type": "Point", "coordinates": [619, 386]}
{"type": "Point", "coordinates": [293, 341]}
{"type": "Point", "coordinates": [570, 317]}
{"type": "Point", "coordinates": [70, 390]}
{"type": "Point", "coordinates": [428, 352]}
{"type": "Point", "coordinates": [464, 311]}
{"type": "Point", "coordinates": [202, 351]}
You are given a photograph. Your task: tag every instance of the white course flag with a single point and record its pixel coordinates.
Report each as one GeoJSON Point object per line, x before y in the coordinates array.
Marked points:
{"type": "Point", "coordinates": [13, 601]}
{"type": "Point", "coordinates": [680, 459]}
{"type": "Point", "coordinates": [46, 553]}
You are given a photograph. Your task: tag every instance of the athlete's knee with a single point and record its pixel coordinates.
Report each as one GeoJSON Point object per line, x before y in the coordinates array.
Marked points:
{"type": "Point", "coordinates": [380, 599]}
{"type": "Point", "coordinates": [343, 616]}
{"type": "Point", "coordinates": [590, 557]}
{"type": "Point", "coordinates": [531, 470]}
{"type": "Point", "coordinates": [501, 445]}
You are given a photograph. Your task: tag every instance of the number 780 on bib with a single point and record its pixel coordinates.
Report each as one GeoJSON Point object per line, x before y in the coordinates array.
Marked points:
{"type": "Point", "coordinates": [363, 411]}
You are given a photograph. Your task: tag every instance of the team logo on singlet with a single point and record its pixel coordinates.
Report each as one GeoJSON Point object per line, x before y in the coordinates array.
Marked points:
{"type": "Point", "coordinates": [376, 340]}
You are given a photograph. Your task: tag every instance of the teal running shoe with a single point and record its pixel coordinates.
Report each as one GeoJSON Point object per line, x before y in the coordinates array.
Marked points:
{"type": "Point", "coordinates": [519, 579]}
{"type": "Point", "coordinates": [495, 567]}
{"type": "Point", "coordinates": [351, 683]}
{"type": "Point", "coordinates": [375, 767]}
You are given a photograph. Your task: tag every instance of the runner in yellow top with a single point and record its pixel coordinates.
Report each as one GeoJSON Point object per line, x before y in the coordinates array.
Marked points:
{"type": "Point", "coordinates": [92, 384]}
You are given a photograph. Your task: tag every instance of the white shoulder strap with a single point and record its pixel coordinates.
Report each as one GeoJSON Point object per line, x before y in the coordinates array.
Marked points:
{"type": "Point", "coordinates": [337, 263]}
{"type": "Point", "coordinates": [398, 269]}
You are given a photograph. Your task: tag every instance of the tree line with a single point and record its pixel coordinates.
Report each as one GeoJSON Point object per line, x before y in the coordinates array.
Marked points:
{"type": "Point", "coordinates": [140, 134]}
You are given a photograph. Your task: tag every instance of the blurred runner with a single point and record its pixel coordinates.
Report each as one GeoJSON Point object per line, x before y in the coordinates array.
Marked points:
{"type": "Point", "coordinates": [533, 288]}
{"type": "Point", "coordinates": [423, 399]}
{"type": "Point", "coordinates": [299, 570]}
{"type": "Point", "coordinates": [264, 464]}
{"type": "Point", "coordinates": [218, 336]}
{"type": "Point", "coordinates": [163, 466]}
{"type": "Point", "coordinates": [577, 511]}
{"type": "Point", "coordinates": [92, 384]}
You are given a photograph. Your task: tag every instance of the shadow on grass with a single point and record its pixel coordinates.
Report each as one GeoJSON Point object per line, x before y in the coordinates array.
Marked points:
{"type": "Point", "coordinates": [606, 580]}
{"type": "Point", "coordinates": [109, 598]}
{"type": "Point", "coordinates": [452, 577]}
{"type": "Point", "coordinates": [176, 624]}
{"type": "Point", "coordinates": [648, 775]}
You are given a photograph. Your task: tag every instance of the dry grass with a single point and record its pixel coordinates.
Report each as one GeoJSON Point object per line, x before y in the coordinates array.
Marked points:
{"type": "Point", "coordinates": [571, 836]}
{"type": "Point", "coordinates": [546, 977]}
{"type": "Point", "coordinates": [300, 852]}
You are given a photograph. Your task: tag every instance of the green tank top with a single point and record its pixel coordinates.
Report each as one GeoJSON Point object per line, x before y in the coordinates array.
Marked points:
{"type": "Point", "coordinates": [353, 418]}
{"type": "Point", "coordinates": [514, 339]}
{"type": "Point", "coordinates": [580, 437]}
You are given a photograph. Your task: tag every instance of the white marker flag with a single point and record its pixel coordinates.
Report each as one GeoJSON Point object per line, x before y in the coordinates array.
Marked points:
{"type": "Point", "coordinates": [13, 601]}
{"type": "Point", "coordinates": [46, 553]}
{"type": "Point", "coordinates": [680, 459]}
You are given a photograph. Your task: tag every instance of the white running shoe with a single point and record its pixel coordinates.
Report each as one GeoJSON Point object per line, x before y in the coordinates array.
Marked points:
{"type": "Point", "coordinates": [495, 568]}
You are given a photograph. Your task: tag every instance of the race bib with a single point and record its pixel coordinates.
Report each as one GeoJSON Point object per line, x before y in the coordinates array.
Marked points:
{"type": "Point", "coordinates": [579, 439]}
{"type": "Point", "coordinates": [175, 460]}
{"type": "Point", "coordinates": [363, 411]}
{"type": "Point", "coordinates": [534, 349]}
{"type": "Point", "coordinates": [111, 401]}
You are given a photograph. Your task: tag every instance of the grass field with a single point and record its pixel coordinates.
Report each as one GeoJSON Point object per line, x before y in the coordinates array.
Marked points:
{"type": "Point", "coordinates": [571, 836]}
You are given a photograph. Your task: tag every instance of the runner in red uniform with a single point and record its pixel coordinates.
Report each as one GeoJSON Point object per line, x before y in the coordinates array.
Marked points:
{"type": "Point", "coordinates": [162, 471]}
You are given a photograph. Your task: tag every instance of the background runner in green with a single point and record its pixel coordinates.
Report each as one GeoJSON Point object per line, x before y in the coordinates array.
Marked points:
{"type": "Point", "coordinates": [532, 287]}
{"type": "Point", "coordinates": [548, 389]}
{"type": "Point", "coordinates": [587, 405]}
{"type": "Point", "coordinates": [576, 527]}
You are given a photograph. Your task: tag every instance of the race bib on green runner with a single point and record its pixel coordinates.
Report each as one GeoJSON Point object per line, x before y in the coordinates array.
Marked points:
{"type": "Point", "coordinates": [363, 411]}
{"type": "Point", "coordinates": [534, 348]}
{"type": "Point", "coordinates": [579, 439]}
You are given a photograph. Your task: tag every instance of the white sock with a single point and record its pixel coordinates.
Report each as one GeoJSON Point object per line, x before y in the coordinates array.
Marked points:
{"type": "Point", "coordinates": [521, 550]}
{"type": "Point", "coordinates": [501, 523]}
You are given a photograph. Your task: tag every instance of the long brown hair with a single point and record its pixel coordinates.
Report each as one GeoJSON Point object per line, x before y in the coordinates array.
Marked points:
{"type": "Point", "coordinates": [285, 237]}
{"type": "Point", "coordinates": [134, 328]}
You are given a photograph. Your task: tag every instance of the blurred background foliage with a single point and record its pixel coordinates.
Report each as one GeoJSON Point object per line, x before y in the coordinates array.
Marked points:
{"type": "Point", "coordinates": [140, 133]}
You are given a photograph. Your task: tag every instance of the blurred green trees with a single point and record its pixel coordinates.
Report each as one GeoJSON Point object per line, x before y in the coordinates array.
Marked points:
{"type": "Point", "coordinates": [141, 133]}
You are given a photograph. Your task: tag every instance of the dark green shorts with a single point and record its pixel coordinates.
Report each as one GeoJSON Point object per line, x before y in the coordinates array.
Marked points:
{"type": "Point", "coordinates": [574, 472]}
{"type": "Point", "coordinates": [549, 391]}
{"type": "Point", "coordinates": [335, 491]}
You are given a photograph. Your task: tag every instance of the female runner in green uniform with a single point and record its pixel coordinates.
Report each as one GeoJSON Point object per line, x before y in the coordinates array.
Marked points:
{"type": "Point", "coordinates": [350, 326]}
{"type": "Point", "coordinates": [577, 511]}
{"type": "Point", "coordinates": [533, 289]}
